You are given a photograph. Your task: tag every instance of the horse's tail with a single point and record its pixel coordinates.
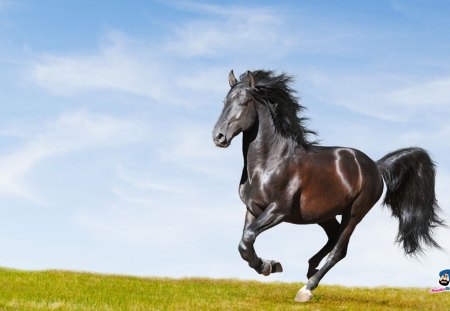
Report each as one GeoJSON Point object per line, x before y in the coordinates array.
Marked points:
{"type": "Point", "coordinates": [410, 177]}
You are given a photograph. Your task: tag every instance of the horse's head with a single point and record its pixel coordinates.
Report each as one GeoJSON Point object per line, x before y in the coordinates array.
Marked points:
{"type": "Point", "coordinates": [239, 112]}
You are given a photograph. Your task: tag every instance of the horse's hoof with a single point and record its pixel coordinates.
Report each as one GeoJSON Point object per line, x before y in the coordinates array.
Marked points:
{"type": "Point", "coordinates": [270, 266]}
{"type": "Point", "coordinates": [303, 295]}
{"type": "Point", "coordinates": [276, 267]}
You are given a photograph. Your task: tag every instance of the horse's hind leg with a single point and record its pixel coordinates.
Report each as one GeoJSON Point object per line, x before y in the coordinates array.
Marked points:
{"type": "Point", "coordinates": [332, 229]}
{"type": "Point", "coordinates": [350, 219]}
{"type": "Point", "coordinates": [339, 251]}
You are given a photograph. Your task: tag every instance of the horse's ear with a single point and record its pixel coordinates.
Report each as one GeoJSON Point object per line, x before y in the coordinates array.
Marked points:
{"type": "Point", "coordinates": [232, 79]}
{"type": "Point", "coordinates": [251, 79]}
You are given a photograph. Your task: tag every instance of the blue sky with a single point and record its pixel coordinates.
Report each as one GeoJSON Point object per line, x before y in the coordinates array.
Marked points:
{"type": "Point", "coordinates": [107, 107]}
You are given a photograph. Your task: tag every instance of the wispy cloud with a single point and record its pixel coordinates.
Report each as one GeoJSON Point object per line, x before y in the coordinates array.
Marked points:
{"type": "Point", "coordinates": [122, 64]}
{"type": "Point", "coordinates": [68, 133]}
{"type": "Point", "coordinates": [388, 97]}
{"type": "Point", "coordinates": [158, 69]}
{"type": "Point", "coordinates": [230, 29]}
{"type": "Point", "coordinates": [112, 67]}
{"type": "Point", "coordinates": [185, 169]}
{"type": "Point", "coordinates": [428, 94]}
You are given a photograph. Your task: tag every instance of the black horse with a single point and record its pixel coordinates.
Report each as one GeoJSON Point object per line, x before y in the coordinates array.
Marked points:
{"type": "Point", "coordinates": [288, 178]}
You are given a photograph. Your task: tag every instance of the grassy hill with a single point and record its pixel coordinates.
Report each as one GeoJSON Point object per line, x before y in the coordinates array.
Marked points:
{"type": "Point", "coordinates": [61, 290]}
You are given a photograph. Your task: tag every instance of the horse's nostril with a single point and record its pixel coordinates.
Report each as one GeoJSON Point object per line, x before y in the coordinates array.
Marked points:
{"type": "Point", "coordinates": [220, 138]}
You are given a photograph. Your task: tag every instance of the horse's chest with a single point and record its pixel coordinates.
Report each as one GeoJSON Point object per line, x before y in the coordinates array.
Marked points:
{"type": "Point", "coordinates": [279, 184]}
{"type": "Point", "coordinates": [254, 196]}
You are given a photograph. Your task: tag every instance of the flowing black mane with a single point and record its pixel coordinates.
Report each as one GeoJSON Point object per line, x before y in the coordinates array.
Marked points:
{"type": "Point", "coordinates": [276, 93]}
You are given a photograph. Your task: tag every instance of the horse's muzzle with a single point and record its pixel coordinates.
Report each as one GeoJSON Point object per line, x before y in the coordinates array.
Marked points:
{"type": "Point", "coordinates": [221, 140]}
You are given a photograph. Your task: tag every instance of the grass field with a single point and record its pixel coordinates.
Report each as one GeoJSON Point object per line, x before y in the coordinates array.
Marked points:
{"type": "Point", "coordinates": [61, 290]}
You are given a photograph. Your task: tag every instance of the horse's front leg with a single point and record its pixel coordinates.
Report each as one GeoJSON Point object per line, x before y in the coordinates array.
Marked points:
{"type": "Point", "coordinates": [252, 228]}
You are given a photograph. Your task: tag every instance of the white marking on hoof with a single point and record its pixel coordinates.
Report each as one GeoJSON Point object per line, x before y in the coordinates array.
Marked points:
{"type": "Point", "coordinates": [303, 295]}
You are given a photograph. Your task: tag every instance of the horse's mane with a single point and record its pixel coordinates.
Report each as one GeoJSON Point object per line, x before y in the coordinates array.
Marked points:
{"type": "Point", "coordinates": [275, 91]}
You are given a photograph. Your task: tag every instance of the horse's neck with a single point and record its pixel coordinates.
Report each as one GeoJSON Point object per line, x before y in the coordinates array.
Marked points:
{"type": "Point", "coordinates": [262, 142]}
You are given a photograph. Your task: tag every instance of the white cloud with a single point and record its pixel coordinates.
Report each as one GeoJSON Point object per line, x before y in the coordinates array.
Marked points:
{"type": "Point", "coordinates": [68, 133]}
{"type": "Point", "coordinates": [112, 67]}
{"type": "Point", "coordinates": [158, 70]}
{"type": "Point", "coordinates": [388, 97]}
{"type": "Point", "coordinates": [227, 30]}
{"type": "Point", "coordinates": [434, 93]}
{"type": "Point", "coordinates": [258, 33]}
{"type": "Point", "coordinates": [122, 64]}
{"type": "Point", "coordinates": [186, 169]}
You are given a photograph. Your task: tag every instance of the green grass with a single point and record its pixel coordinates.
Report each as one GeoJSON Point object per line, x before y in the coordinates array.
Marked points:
{"type": "Point", "coordinates": [61, 290]}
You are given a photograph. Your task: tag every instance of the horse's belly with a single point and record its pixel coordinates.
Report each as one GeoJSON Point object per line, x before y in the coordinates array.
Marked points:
{"type": "Point", "coordinates": [316, 206]}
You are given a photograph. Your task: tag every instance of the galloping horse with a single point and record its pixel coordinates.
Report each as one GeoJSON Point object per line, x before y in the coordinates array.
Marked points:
{"type": "Point", "coordinates": [288, 178]}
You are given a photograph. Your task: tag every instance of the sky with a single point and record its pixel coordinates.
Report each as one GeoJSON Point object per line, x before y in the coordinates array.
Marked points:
{"type": "Point", "coordinates": [106, 110]}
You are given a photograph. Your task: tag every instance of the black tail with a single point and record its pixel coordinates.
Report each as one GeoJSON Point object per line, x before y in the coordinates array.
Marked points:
{"type": "Point", "coordinates": [409, 175]}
